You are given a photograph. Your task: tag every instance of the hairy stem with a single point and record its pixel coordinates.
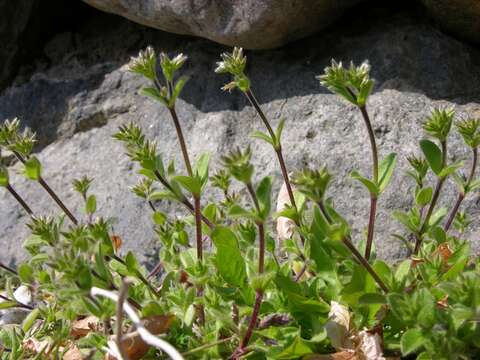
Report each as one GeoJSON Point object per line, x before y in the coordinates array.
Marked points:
{"type": "Point", "coordinates": [373, 198]}
{"type": "Point", "coordinates": [365, 264]}
{"type": "Point", "coordinates": [278, 150]}
{"type": "Point", "coordinates": [371, 226]}
{"type": "Point", "coordinates": [50, 192]}
{"type": "Point", "coordinates": [181, 140]}
{"type": "Point", "coordinates": [253, 321]}
{"type": "Point", "coordinates": [18, 304]}
{"type": "Point", "coordinates": [461, 195]}
{"type": "Point", "coordinates": [433, 203]}
{"type": "Point", "coordinates": [362, 260]}
{"type": "Point", "coordinates": [261, 267]}
{"type": "Point", "coordinates": [183, 199]}
{"type": "Point", "coordinates": [8, 268]}
{"type": "Point", "coordinates": [198, 225]}
{"type": "Point", "coordinates": [20, 200]}
{"type": "Point", "coordinates": [197, 210]}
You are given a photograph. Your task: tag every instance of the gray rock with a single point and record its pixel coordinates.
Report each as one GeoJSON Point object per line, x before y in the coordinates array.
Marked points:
{"type": "Point", "coordinates": [460, 17]}
{"type": "Point", "coordinates": [253, 24]}
{"type": "Point", "coordinates": [78, 104]}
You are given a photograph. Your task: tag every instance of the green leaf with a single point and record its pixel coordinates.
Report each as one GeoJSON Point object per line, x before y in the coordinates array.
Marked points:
{"type": "Point", "coordinates": [91, 204]}
{"type": "Point", "coordinates": [320, 227]}
{"type": "Point", "coordinates": [154, 94]}
{"type": "Point", "coordinates": [131, 262]}
{"type": "Point", "coordinates": [412, 340]}
{"type": "Point", "coordinates": [402, 271]}
{"type": "Point", "coordinates": [450, 169]}
{"type": "Point", "coordinates": [372, 298]}
{"type": "Point", "coordinates": [278, 133]}
{"type": "Point", "coordinates": [236, 211]}
{"type": "Point", "coordinates": [177, 90]}
{"type": "Point", "coordinates": [84, 278]}
{"type": "Point", "coordinates": [437, 216]}
{"type": "Point", "coordinates": [33, 168]}
{"type": "Point", "coordinates": [228, 259]}
{"type": "Point", "coordinates": [189, 183]}
{"type": "Point", "coordinates": [30, 319]}
{"type": "Point", "coordinates": [370, 185]}
{"type": "Point", "coordinates": [3, 176]}
{"type": "Point", "coordinates": [297, 349]}
{"type": "Point", "coordinates": [159, 218]}
{"type": "Point", "coordinates": [386, 171]}
{"type": "Point", "coordinates": [8, 304]}
{"type": "Point", "coordinates": [262, 136]}
{"type": "Point", "coordinates": [424, 196]}
{"type": "Point", "coordinates": [25, 272]}
{"type": "Point", "coordinates": [433, 154]}
{"type": "Point", "coordinates": [264, 195]}
{"type": "Point", "coordinates": [324, 260]}
{"type": "Point", "coordinates": [201, 167]}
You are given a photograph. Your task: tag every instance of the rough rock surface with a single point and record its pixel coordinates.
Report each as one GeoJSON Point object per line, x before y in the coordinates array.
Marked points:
{"type": "Point", "coordinates": [460, 17]}
{"type": "Point", "coordinates": [253, 24]}
{"type": "Point", "coordinates": [24, 25]}
{"type": "Point", "coordinates": [79, 102]}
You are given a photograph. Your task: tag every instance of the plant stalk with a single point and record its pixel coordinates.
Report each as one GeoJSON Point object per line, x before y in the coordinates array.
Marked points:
{"type": "Point", "coordinates": [433, 203]}
{"type": "Point", "coordinates": [181, 140]}
{"type": "Point", "coordinates": [461, 195]}
{"type": "Point", "coordinates": [362, 260]}
{"type": "Point", "coordinates": [8, 268]}
{"type": "Point", "coordinates": [365, 264]}
{"type": "Point", "coordinates": [261, 267]}
{"type": "Point", "coordinates": [183, 200]}
{"type": "Point", "coordinates": [50, 192]}
{"type": "Point", "coordinates": [20, 200]}
{"type": "Point", "coordinates": [278, 150]}
{"type": "Point", "coordinates": [18, 303]}
{"type": "Point", "coordinates": [373, 198]}
{"type": "Point", "coordinates": [253, 321]}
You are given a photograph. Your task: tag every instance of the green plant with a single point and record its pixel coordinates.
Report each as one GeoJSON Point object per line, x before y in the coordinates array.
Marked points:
{"type": "Point", "coordinates": [229, 293]}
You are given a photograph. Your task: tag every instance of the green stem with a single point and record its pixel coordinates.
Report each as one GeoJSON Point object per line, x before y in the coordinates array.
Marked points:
{"type": "Point", "coordinates": [20, 200]}
{"type": "Point", "coordinates": [207, 346]}
{"type": "Point", "coordinates": [50, 192]}
{"type": "Point", "coordinates": [461, 195]}
{"type": "Point", "coordinates": [373, 198]}
{"type": "Point", "coordinates": [365, 264]}
{"type": "Point", "coordinates": [278, 149]}
{"type": "Point", "coordinates": [433, 203]}
{"type": "Point", "coordinates": [181, 140]}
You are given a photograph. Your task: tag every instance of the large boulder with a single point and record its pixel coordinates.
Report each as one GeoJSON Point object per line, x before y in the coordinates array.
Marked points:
{"type": "Point", "coordinates": [460, 17]}
{"type": "Point", "coordinates": [253, 24]}
{"type": "Point", "coordinates": [24, 27]}
{"type": "Point", "coordinates": [78, 103]}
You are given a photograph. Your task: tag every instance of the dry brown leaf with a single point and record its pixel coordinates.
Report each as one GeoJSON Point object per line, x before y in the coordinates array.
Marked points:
{"type": "Point", "coordinates": [339, 326]}
{"type": "Point", "coordinates": [35, 346]}
{"type": "Point", "coordinates": [83, 327]}
{"type": "Point", "coordinates": [73, 353]}
{"type": "Point", "coordinates": [342, 355]}
{"type": "Point", "coordinates": [285, 226]}
{"type": "Point", "coordinates": [116, 241]}
{"type": "Point", "coordinates": [369, 346]}
{"type": "Point", "coordinates": [133, 345]}
{"type": "Point", "coordinates": [444, 251]}
{"type": "Point", "coordinates": [443, 302]}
